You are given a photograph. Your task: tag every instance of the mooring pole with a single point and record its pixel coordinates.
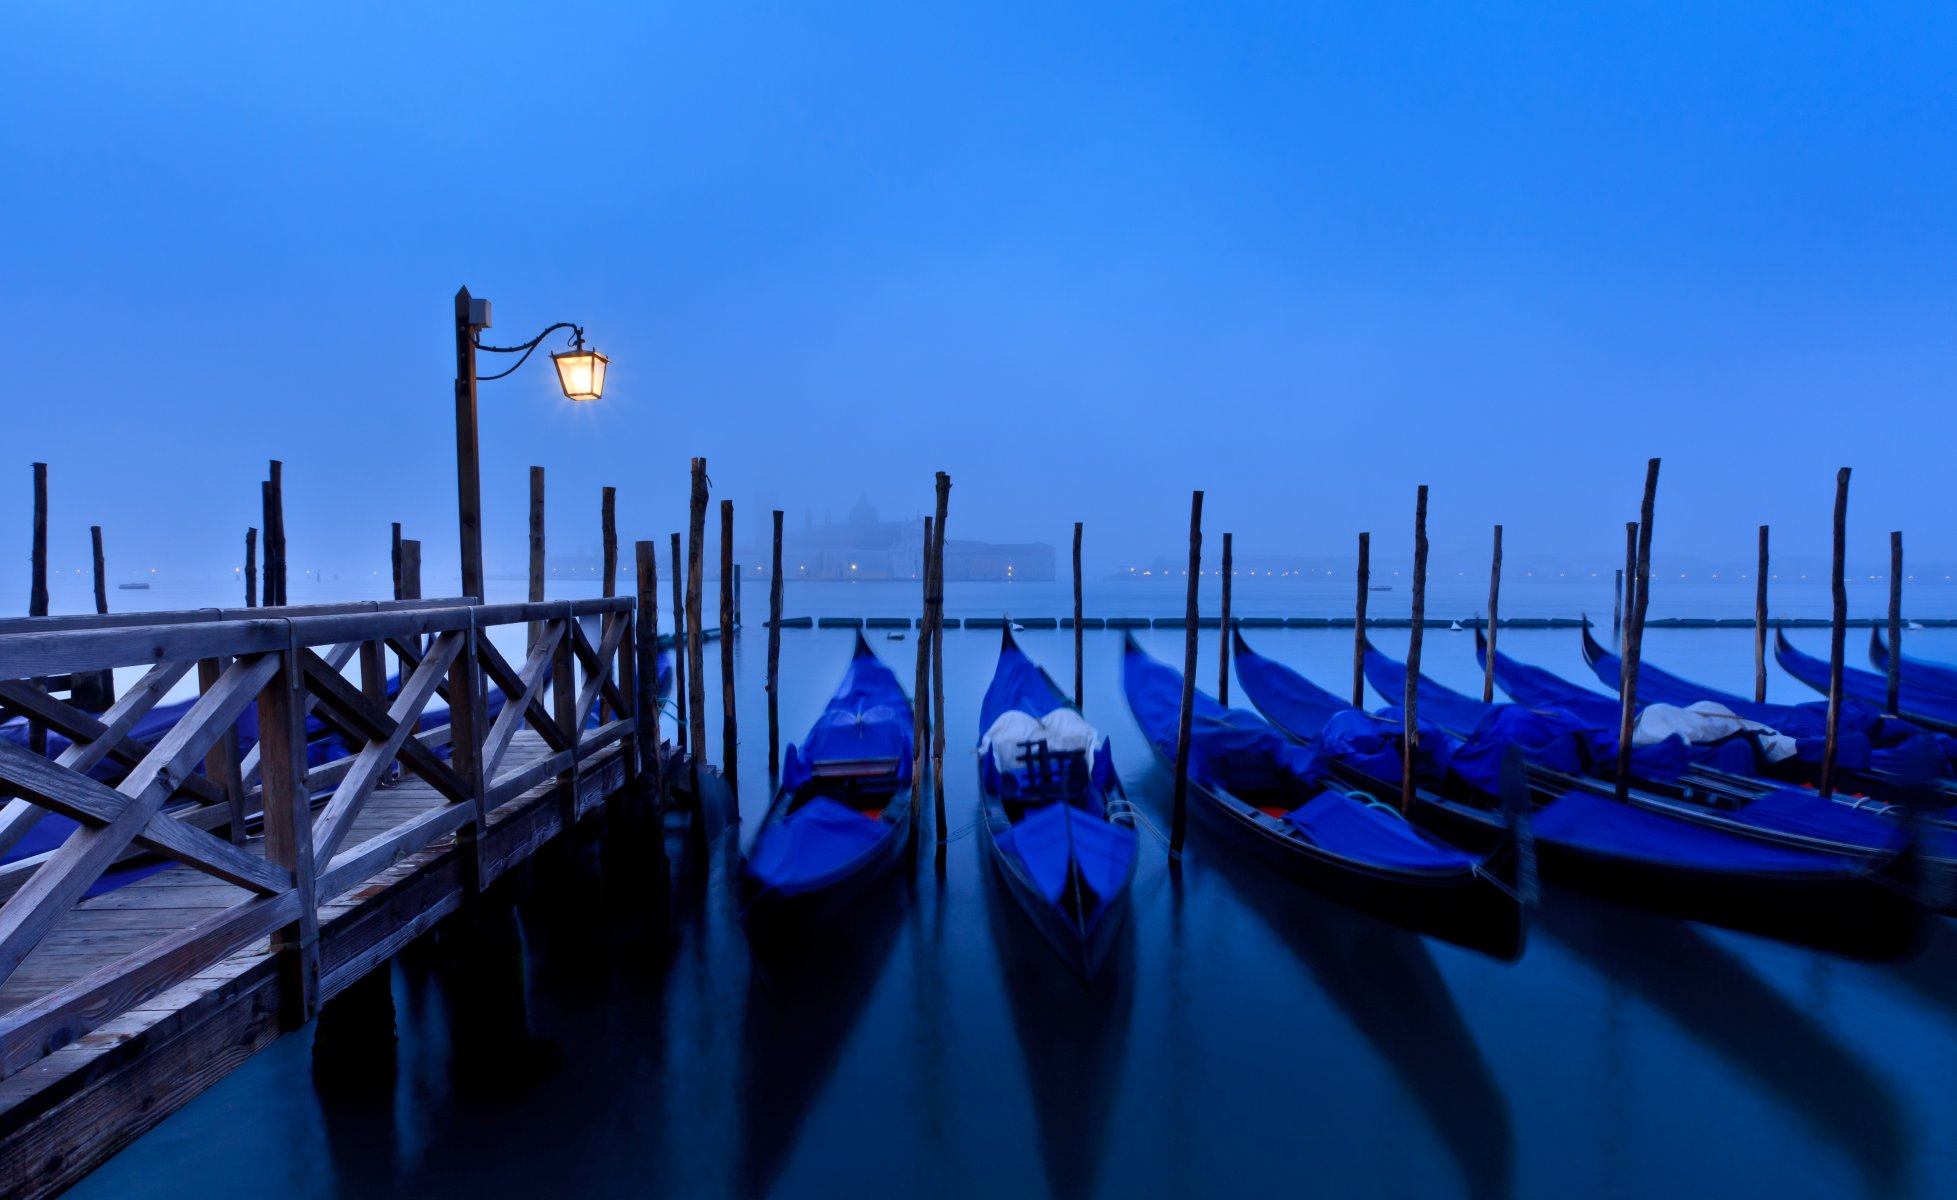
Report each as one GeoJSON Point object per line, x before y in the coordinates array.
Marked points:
{"type": "Point", "coordinates": [1223, 648]}
{"type": "Point", "coordinates": [536, 548]}
{"type": "Point", "coordinates": [1837, 635]}
{"type": "Point", "coordinates": [938, 663]}
{"type": "Point", "coordinates": [1760, 623]}
{"type": "Point", "coordinates": [1359, 621]}
{"type": "Point", "coordinates": [1494, 620]}
{"type": "Point", "coordinates": [729, 737]}
{"type": "Point", "coordinates": [1410, 734]}
{"type": "Point", "coordinates": [1634, 628]}
{"type": "Point", "coordinates": [275, 561]}
{"type": "Point", "coordinates": [394, 559]}
{"type": "Point", "coordinates": [608, 531]}
{"type": "Point", "coordinates": [1078, 642]}
{"type": "Point", "coordinates": [645, 698]}
{"type": "Point", "coordinates": [411, 568]}
{"type": "Point", "coordinates": [696, 654]}
{"type": "Point", "coordinates": [1617, 605]}
{"type": "Point", "coordinates": [99, 690]}
{"type": "Point", "coordinates": [774, 651]}
{"type": "Point", "coordinates": [1892, 695]}
{"type": "Point", "coordinates": [101, 569]}
{"type": "Point", "coordinates": [1630, 570]}
{"type": "Point", "coordinates": [681, 693]}
{"type": "Point", "coordinates": [1179, 825]}
{"type": "Point", "coordinates": [37, 593]}
{"type": "Point", "coordinates": [251, 567]}
{"type": "Point", "coordinates": [921, 688]}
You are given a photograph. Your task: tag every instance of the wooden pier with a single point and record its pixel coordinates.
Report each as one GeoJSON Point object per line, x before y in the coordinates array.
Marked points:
{"type": "Point", "coordinates": [290, 880]}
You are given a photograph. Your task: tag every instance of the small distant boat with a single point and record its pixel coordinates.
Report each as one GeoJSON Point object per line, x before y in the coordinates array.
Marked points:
{"type": "Point", "coordinates": [1059, 835]}
{"type": "Point", "coordinates": [1455, 627]}
{"type": "Point", "coordinates": [895, 635]}
{"type": "Point", "coordinates": [1380, 587]}
{"type": "Point", "coordinates": [838, 825]}
{"type": "Point", "coordinates": [132, 587]}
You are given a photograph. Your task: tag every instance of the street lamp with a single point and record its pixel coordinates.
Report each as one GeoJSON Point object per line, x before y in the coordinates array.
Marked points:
{"type": "Point", "coordinates": [580, 372]}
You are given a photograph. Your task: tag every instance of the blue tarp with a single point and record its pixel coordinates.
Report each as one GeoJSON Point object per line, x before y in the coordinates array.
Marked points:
{"type": "Point", "coordinates": [1372, 743]}
{"type": "Point", "coordinates": [1917, 672]}
{"type": "Point", "coordinates": [815, 845]}
{"type": "Point", "coordinates": [1804, 813]}
{"type": "Point", "coordinates": [869, 717]}
{"type": "Point", "coordinates": [1017, 683]}
{"type": "Point", "coordinates": [1448, 708]}
{"type": "Point", "coordinates": [1355, 829]}
{"type": "Point", "coordinates": [1600, 825]}
{"type": "Point", "coordinates": [1924, 703]}
{"type": "Point", "coordinates": [1293, 703]}
{"type": "Point", "coordinates": [1046, 839]}
{"type": "Point", "coordinates": [1552, 738]}
{"type": "Point", "coordinates": [1236, 750]}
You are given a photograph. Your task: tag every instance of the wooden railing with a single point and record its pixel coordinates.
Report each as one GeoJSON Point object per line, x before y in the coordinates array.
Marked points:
{"type": "Point", "coordinates": [259, 816]}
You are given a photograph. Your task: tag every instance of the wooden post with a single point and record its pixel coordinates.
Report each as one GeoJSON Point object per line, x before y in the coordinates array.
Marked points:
{"type": "Point", "coordinates": [394, 557]}
{"type": "Point", "coordinates": [1892, 694]}
{"type": "Point", "coordinates": [1634, 629]}
{"type": "Point", "coordinates": [1410, 734]}
{"type": "Point", "coordinates": [1179, 821]}
{"type": "Point", "coordinates": [921, 687]}
{"type": "Point", "coordinates": [608, 520]}
{"type": "Point", "coordinates": [275, 532]}
{"type": "Point", "coordinates": [1078, 701]}
{"type": "Point", "coordinates": [101, 569]}
{"type": "Point", "coordinates": [1359, 622]}
{"type": "Point", "coordinates": [645, 693]}
{"type": "Point", "coordinates": [289, 830]}
{"type": "Point", "coordinates": [411, 569]}
{"type": "Point", "coordinates": [1630, 570]}
{"type": "Point", "coordinates": [1837, 635]}
{"type": "Point", "coordinates": [1617, 604]}
{"type": "Point", "coordinates": [1223, 646]}
{"type": "Point", "coordinates": [251, 567]}
{"type": "Point", "coordinates": [774, 652]}
{"type": "Point", "coordinates": [536, 593]}
{"type": "Point", "coordinates": [938, 663]}
{"type": "Point", "coordinates": [681, 726]}
{"type": "Point", "coordinates": [468, 460]}
{"type": "Point", "coordinates": [1760, 624]}
{"type": "Point", "coordinates": [1494, 619]}
{"type": "Point", "coordinates": [696, 655]}
{"type": "Point", "coordinates": [729, 739]}
{"type": "Point", "coordinates": [37, 593]}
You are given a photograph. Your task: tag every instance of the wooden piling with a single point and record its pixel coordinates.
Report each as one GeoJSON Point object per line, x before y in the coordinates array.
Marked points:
{"type": "Point", "coordinates": [411, 569]}
{"type": "Point", "coordinates": [1410, 732]}
{"type": "Point", "coordinates": [275, 560]}
{"type": "Point", "coordinates": [645, 698]}
{"type": "Point", "coordinates": [774, 650]}
{"type": "Point", "coordinates": [1223, 642]}
{"type": "Point", "coordinates": [1760, 624]}
{"type": "Point", "coordinates": [729, 737]}
{"type": "Point", "coordinates": [1494, 619]}
{"type": "Point", "coordinates": [1359, 621]}
{"type": "Point", "coordinates": [1179, 816]}
{"type": "Point", "coordinates": [921, 687]}
{"type": "Point", "coordinates": [696, 656]}
{"type": "Point", "coordinates": [1078, 643]}
{"type": "Point", "coordinates": [536, 593]}
{"type": "Point", "coordinates": [251, 567]}
{"type": "Point", "coordinates": [101, 569]}
{"type": "Point", "coordinates": [1630, 571]}
{"type": "Point", "coordinates": [938, 662]}
{"type": "Point", "coordinates": [394, 557]}
{"type": "Point", "coordinates": [682, 727]}
{"type": "Point", "coordinates": [37, 591]}
{"type": "Point", "coordinates": [1891, 694]}
{"type": "Point", "coordinates": [608, 522]}
{"type": "Point", "coordinates": [1617, 605]}
{"type": "Point", "coordinates": [1640, 600]}
{"type": "Point", "coordinates": [1837, 635]}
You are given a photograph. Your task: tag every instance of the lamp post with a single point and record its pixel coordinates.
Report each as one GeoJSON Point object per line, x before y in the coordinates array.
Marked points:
{"type": "Point", "coordinates": [580, 373]}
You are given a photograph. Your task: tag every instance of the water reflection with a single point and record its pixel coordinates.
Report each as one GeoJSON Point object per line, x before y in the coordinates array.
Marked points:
{"type": "Point", "coordinates": [1383, 980]}
{"type": "Point", "coordinates": [1727, 1009]}
{"type": "Point", "coordinates": [1072, 1035]}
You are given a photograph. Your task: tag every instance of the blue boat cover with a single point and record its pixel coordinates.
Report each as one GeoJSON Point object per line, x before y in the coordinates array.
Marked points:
{"type": "Point", "coordinates": [1371, 744]}
{"type": "Point", "coordinates": [1553, 738]}
{"type": "Point", "coordinates": [1917, 672]}
{"type": "Point", "coordinates": [1017, 683]}
{"type": "Point", "coordinates": [1293, 703]}
{"type": "Point", "coordinates": [1449, 708]}
{"type": "Point", "coordinates": [1234, 749]}
{"type": "Point", "coordinates": [1600, 825]}
{"type": "Point", "coordinates": [1371, 833]}
{"type": "Point", "coordinates": [1804, 813]}
{"type": "Point", "coordinates": [1049, 837]}
{"type": "Point", "coordinates": [1924, 703]}
{"type": "Point", "coordinates": [815, 845]}
{"type": "Point", "coordinates": [868, 718]}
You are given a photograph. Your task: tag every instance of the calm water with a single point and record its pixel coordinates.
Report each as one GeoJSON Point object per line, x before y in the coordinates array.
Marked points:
{"type": "Point", "coordinates": [1252, 1039]}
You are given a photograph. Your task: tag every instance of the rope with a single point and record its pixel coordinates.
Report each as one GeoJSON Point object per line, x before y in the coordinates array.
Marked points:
{"type": "Point", "coordinates": [1127, 808]}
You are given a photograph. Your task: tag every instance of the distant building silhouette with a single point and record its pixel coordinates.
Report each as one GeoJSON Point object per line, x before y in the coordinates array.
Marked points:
{"type": "Point", "coordinates": [863, 546]}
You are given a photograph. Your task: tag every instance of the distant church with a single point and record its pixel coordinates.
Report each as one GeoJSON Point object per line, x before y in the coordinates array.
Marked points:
{"type": "Point", "coordinates": [865, 547]}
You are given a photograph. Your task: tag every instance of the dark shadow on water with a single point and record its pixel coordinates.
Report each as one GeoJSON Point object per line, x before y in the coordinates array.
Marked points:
{"type": "Point", "coordinates": [1725, 1007]}
{"type": "Point", "coordinates": [802, 1006]}
{"type": "Point", "coordinates": [1384, 981]}
{"type": "Point", "coordinates": [1932, 974]}
{"type": "Point", "coordinates": [1071, 1033]}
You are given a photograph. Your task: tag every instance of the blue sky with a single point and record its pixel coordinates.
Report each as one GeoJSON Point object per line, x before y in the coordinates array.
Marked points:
{"type": "Point", "coordinates": [1083, 257]}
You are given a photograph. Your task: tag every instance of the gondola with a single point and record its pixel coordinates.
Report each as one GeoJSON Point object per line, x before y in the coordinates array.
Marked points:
{"type": "Point", "coordinates": [1275, 800]}
{"type": "Point", "coordinates": [1056, 819]}
{"type": "Point", "coordinates": [1918, 673]}
{"type": "Point", "coordinates": [1589, 840]}
{"type": "Point", "coordinates": [839, 822]}
{"type": "Point", "coordinates": [1926, 706]}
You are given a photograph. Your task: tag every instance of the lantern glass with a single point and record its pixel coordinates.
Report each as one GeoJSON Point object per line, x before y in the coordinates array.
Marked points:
{"type": "Point", "coordinates": [581, 373]}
